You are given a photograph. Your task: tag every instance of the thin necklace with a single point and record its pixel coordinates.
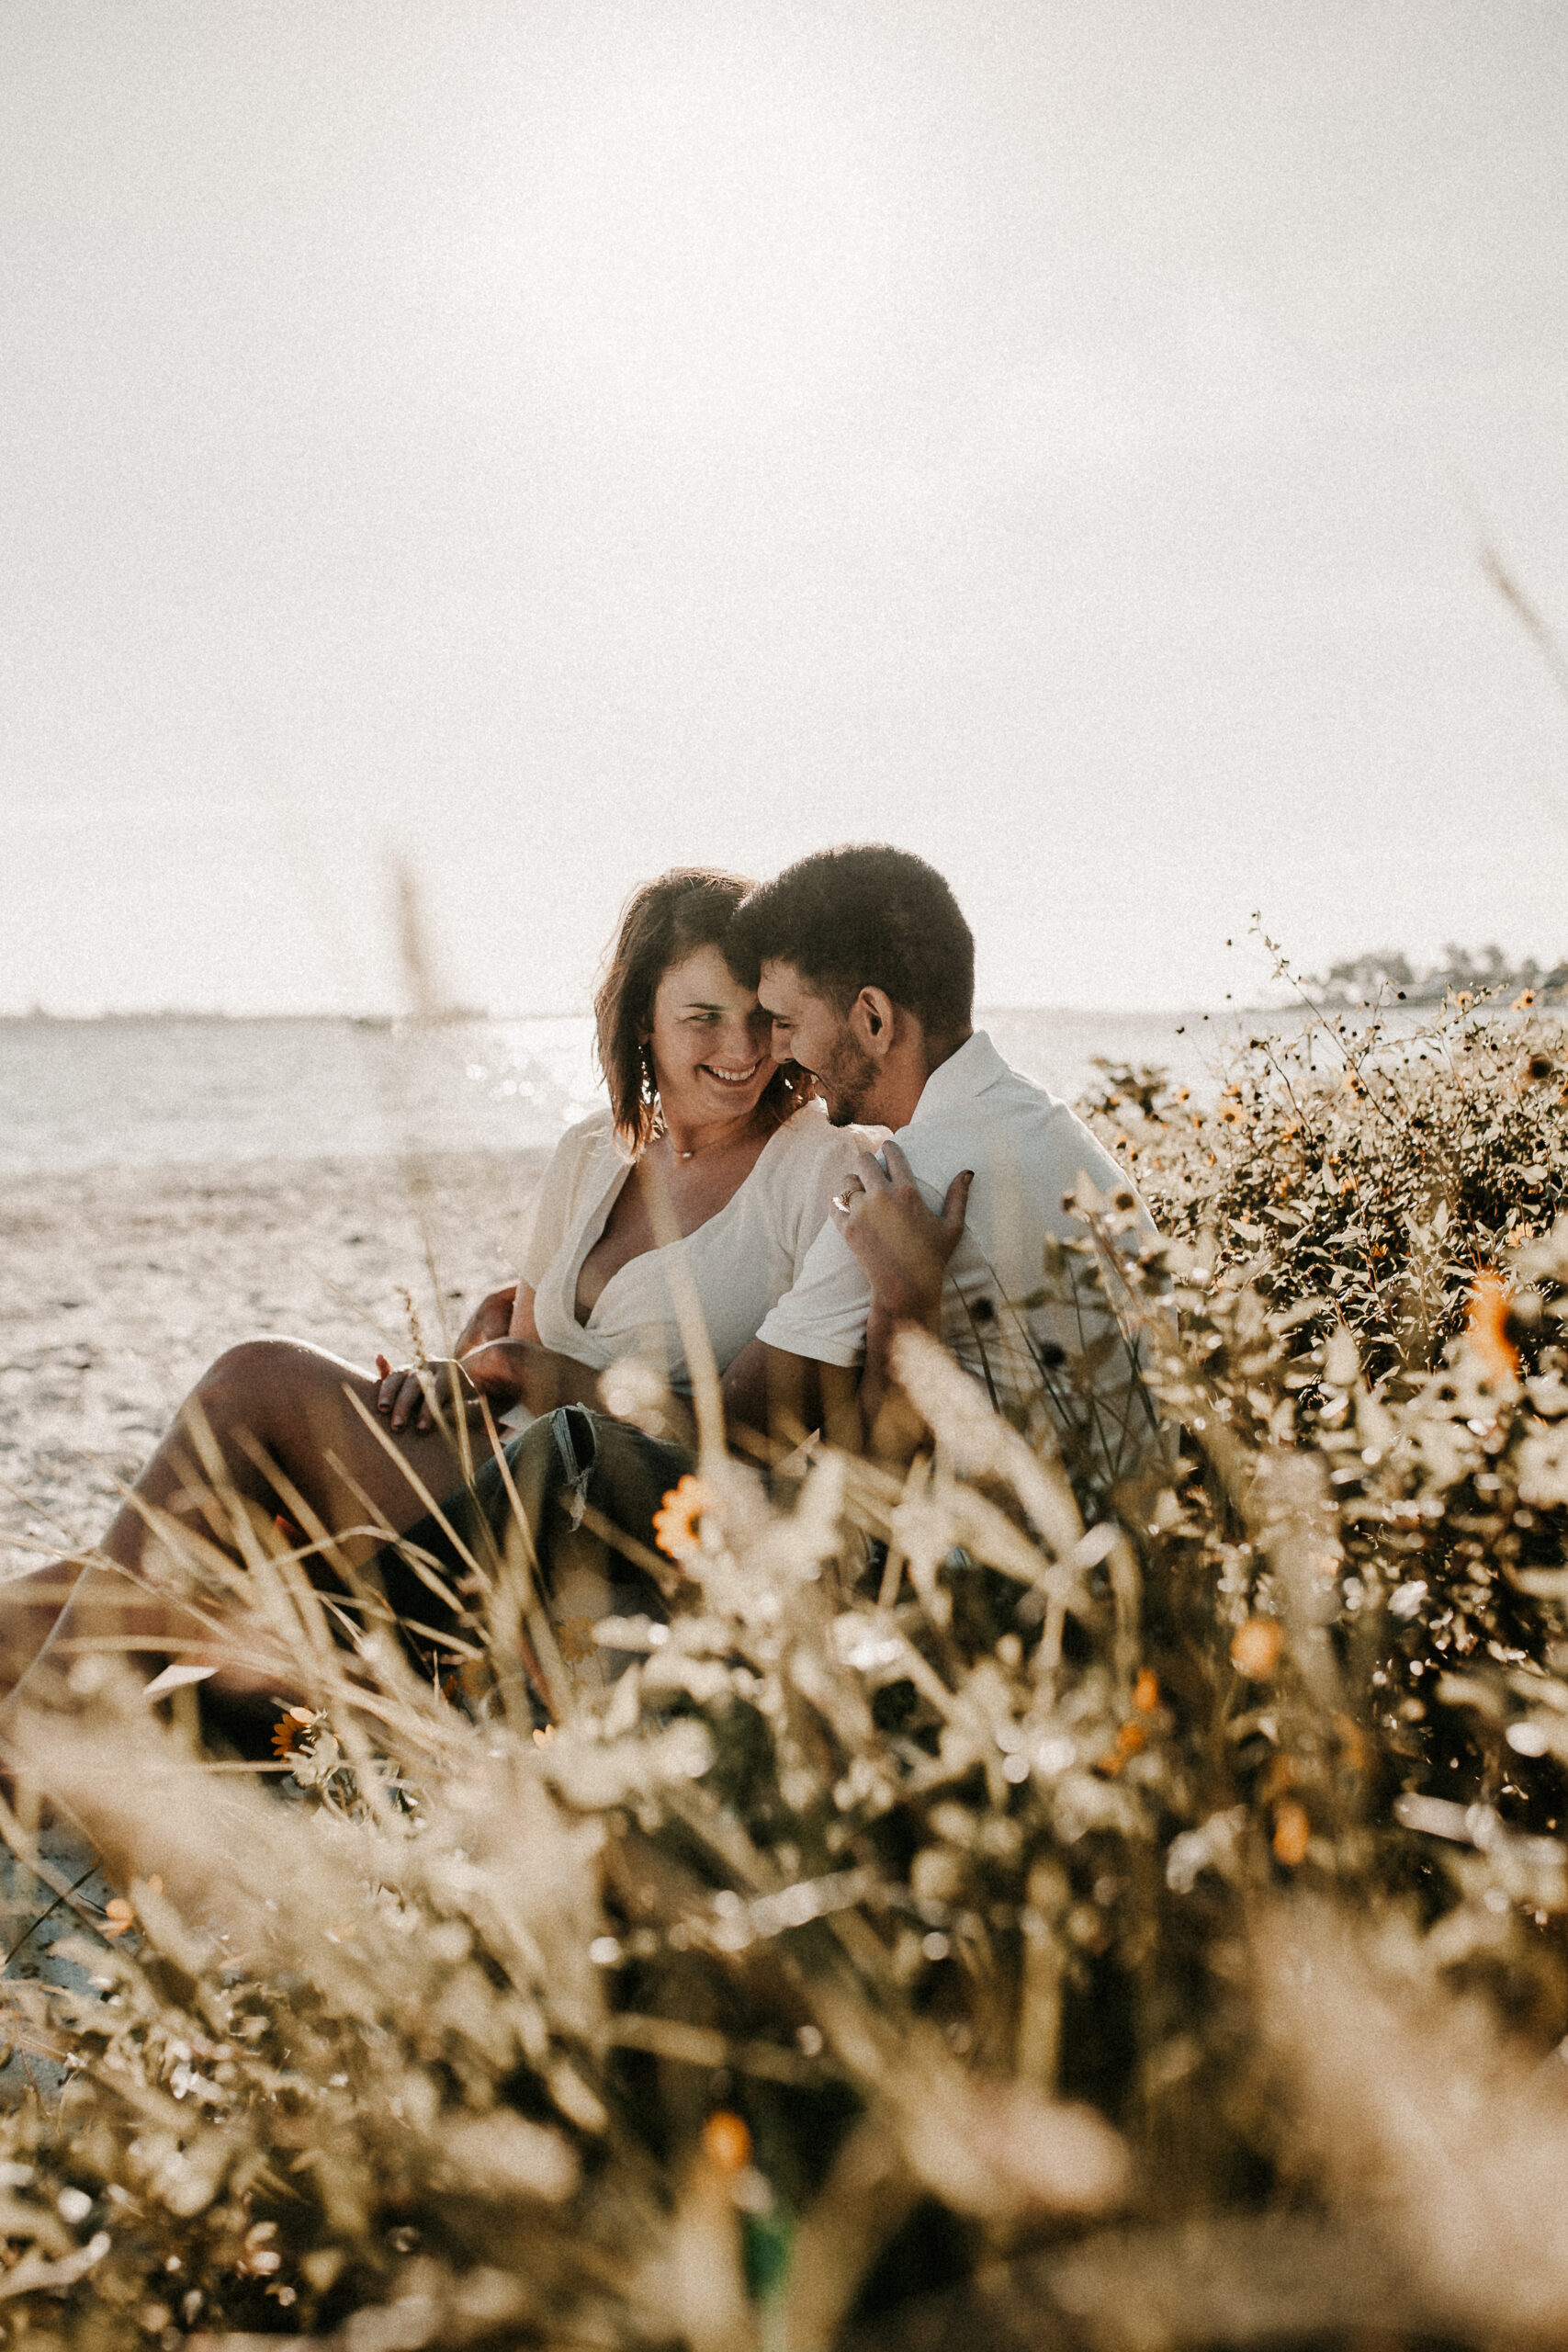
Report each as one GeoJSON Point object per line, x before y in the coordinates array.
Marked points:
{"type": "Point", "coordinates": [718, 1142]}
{"type": "Point", "coordinates": [675, 1151]}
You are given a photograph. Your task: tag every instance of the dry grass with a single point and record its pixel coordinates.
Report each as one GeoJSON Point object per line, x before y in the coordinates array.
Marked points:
{"type": "Point", "coordinates": [1129, 1928]}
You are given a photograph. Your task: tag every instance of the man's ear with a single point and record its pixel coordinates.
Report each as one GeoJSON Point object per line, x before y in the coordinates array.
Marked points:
{"type": "Point", "coordinates": [874, 1020]}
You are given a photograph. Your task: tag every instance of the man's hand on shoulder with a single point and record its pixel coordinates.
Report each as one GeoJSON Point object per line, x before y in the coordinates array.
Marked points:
{"type": "Point", "coordinates": [903, 1246]}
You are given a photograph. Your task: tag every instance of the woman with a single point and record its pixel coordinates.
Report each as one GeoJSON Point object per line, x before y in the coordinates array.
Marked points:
{"type": "Point", "coordinates": [707, 1138]}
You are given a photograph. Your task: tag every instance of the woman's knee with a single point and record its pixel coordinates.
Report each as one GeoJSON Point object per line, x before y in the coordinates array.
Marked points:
{"type": "Point", "coordinates": [250, 1383]}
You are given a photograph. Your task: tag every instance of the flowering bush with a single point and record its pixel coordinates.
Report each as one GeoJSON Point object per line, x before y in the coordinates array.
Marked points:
{"type": "Point", "coordinates": [1131, 1924]}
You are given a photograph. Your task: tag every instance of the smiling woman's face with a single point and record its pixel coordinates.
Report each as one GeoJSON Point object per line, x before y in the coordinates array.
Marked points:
{"type": "Point", "coordinates": [711, 1057]}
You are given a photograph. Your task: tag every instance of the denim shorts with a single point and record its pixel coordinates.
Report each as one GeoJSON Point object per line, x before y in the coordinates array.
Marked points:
{"type": "Point", "coordinates": [586, 1484]}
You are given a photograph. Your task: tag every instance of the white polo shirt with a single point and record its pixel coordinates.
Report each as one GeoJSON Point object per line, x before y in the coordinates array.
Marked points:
{"type": "Point", "coordinates": [1027, 1150]}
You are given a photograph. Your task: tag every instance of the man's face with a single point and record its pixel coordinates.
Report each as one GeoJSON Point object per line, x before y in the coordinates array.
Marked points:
{"type": "Point", "coordinates": [808, 1029]}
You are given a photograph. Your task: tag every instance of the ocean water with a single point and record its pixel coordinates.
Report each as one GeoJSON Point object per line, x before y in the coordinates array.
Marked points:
{"type": "Point", "coordinates": [86, 1093]}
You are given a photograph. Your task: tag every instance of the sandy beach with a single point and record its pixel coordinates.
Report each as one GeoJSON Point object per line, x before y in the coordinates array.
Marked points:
{"type": "Point", "coordinates": [117, 1284]}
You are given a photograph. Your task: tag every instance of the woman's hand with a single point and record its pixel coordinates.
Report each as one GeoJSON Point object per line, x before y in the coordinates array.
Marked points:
{"type": "Point", "coordinates": [402, 1396]}
{"type": "Point", "coordinates": [903, 1246]}
{"type": "Point", "coordinates": [406, 1390]}
{"type": "Point", "coordinates": [506, 1371]}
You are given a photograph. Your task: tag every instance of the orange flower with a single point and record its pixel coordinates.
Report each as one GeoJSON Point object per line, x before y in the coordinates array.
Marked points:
{"type": "Point", "coordinates": [1292, 1831]}
{"type": "Point", "coordinates": [676, 1527]}
{"type": "Point", "coordinates": [1129, 1740]}
{"type": "Point", "coordinates": [727, 2142]}
{"type": "Point", "coordinates": [118, 1914]}
{"type": "Point", "coordinates": [1146, 1691]}
{"type": "Point", "coordinates": [286, 1730]}
{"type": "Point", "coordinates": [1486, 1327]}
{"type": "Point", "coordinates": [1255, 1651]}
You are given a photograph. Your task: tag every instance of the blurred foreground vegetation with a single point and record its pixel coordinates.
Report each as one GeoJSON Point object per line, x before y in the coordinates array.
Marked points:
{"type": "Point", "coordinates": [988, 1911]}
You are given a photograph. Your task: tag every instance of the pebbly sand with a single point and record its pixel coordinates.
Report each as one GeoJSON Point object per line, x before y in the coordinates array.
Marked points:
{"type": "Point", "coordinates": [118, 1284]}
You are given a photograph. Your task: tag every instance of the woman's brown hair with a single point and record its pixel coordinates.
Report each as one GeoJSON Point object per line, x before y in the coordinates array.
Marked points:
{"type": "Point", "coordinates": [691, 907]}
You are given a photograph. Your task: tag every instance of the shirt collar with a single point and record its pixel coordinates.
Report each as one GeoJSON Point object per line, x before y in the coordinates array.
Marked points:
{"type": "Point", "coordinates": [960, 1077]}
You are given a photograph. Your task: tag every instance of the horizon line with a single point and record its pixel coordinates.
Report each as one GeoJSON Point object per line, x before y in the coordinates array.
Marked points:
{"type": "Point", "coordinates": [464, 1015]}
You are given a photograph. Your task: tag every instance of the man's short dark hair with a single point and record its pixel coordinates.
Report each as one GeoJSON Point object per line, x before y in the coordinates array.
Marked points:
{"type": "Point", "coordinates": [867, 916]}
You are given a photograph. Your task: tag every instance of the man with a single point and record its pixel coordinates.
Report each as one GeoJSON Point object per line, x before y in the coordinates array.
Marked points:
{"type": "Point", "coordinates": [867, 970]}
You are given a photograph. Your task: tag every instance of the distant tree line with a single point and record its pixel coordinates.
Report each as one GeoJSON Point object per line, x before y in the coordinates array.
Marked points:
{"type": "Point", "coordinates": [1487, 972]}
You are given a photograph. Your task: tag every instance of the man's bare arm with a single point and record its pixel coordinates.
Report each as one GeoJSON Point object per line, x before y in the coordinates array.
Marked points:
{"type": "Point", "coordinates": [784, 1398]}
{"type": "Point", "coordinates": [744, 1389]}
{"type": "Point", "coordinates": [904, 1248]}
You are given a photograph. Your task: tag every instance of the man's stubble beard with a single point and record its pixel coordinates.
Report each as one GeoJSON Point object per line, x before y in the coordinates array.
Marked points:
{"type": "Point", "coordinates": [847, 1077]}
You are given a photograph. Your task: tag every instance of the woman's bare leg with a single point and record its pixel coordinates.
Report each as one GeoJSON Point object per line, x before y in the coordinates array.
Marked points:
{"type": "Point", "coordinates": [281, 1398]}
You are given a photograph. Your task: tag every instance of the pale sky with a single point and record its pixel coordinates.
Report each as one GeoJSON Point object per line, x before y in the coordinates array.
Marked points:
{"type": "Point", "coordinates": [551, 439]}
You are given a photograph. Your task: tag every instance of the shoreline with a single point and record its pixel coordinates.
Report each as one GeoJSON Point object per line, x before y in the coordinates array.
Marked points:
{"type": "Point", "coordinates": [91, 1095]}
